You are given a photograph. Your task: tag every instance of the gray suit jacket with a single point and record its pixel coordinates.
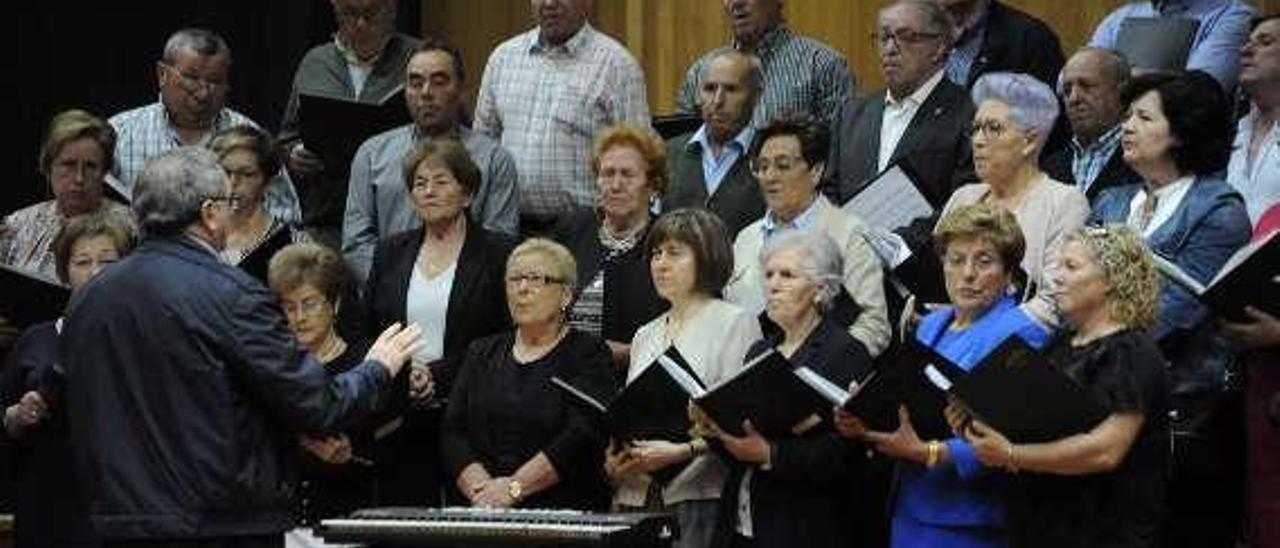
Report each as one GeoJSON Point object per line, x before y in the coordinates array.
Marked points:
{"type": "Point", "coordinates": [737, 201]}
{"type": "Point", "coordinates": [935, 145]}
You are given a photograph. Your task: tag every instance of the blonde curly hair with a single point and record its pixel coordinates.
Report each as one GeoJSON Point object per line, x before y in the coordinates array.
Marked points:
{"type": "Point", "coordinates": [1125, 261]}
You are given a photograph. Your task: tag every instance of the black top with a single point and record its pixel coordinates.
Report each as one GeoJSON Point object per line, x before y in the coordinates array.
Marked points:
{"type": "Point", "coordinates": [630, 300]}
{"type": "Point", "coordinates": [811, 495]}
{"type": "Point", "coordinates": [501, 413]}
{"type": "Point", "coordinates": [1125, 372]}
{"type": "Point", "coordinates": [331, 490]}
{"type": "Point", "coordinates": [49, 507]}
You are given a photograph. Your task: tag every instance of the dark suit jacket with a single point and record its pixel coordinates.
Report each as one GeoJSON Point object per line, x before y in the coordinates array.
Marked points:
{"type": "Point", "coordinates": [1115, 173]}
{"type": "Point", "coordinates": [1017, 42]}
{"type": "Point", "coordinates": [737, 201]}
{"type": "Point", "coordinates": [810, 496]}
{"type": "Point", "coordinates": [477, 300]}
{"type": "Point", "coordinates": [935, 144]}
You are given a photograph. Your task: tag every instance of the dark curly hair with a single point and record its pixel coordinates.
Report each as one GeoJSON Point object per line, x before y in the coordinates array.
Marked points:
{"type": "Point", "coordinates": [814, 137]}
{"type": "Point", "coordinates": [1198, 114]}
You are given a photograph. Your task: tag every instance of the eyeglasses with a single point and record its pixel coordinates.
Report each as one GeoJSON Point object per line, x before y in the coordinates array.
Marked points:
{"type": "Point", "coordinates": [991, 129]}
{"type": "Point", "coordinates": [233, 201]}
{"type": "Point", "coordinates": [308, 307]}
{"type": "Point", "coordinates": [760, 166]}
{"type": "Point", "coordinates": [533, 280]}
{"type": "Point", "coordinates": [904, 37]}
{"type": "Point", "coordinates": [374, 14]}
{"type": "Point", "coordinates": [193, 84]}
{"type": "Point", "coordinates": [982, 262]}
{"type": "Point", "coordinates": [63, 168]}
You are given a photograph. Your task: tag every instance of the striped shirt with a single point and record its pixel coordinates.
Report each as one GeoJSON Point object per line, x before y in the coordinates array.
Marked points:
{"type": "Point", "coordinates": [966, 49]}
{"type": "Point", "coordinates": [27, 235]}
{"type": "Point", "coordinates": [545, 103]}
{"type": "Point", "coordinates": [800, 75]}
{"type": "Point", "coordinates": [145, 132]}
{"type": "Point", "coordinates": [1088, 161]}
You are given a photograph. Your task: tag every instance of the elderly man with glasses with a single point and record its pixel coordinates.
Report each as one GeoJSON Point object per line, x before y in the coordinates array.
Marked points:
{"type": "Point", "coordinates": [193, 81]}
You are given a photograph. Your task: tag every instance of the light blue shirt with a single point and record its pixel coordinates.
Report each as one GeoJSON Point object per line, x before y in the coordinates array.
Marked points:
{"type": "Point", "coordinates": [805, 219]}
{"type": "Point", "coordinates": [714, 169]}
{"type": "Point", "coordinates": [1224, 26]}
{"type": "Point", "coordinates": [1088, 161]}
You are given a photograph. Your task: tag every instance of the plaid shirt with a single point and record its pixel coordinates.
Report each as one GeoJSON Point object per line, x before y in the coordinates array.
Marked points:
{"type": "Point", "coordinates": [1087, 162]}
{"type": "Point", "coordinates": [800, 75]}
{"type": "Point", "coordinates": [545, 104]}
{"type": "Point", "coordinates": [26, 235]}
{"type": "Point", "coordinates": [145, 132]}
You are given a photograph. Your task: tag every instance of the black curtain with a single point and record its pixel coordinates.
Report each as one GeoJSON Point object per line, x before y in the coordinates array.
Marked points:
{"type": "Point", "coordinates": [100, 56]}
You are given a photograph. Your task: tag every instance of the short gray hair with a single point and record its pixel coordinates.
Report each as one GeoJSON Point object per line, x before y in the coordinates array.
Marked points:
{"type": "Point", "coordinates": [204, 42]}
{"type": "Point", "coordinates": [173, 187]}
{"type": "Point", "coordinates": [1032, 104]}
{"type": "Point", "coordinates": [755, 69]}
{"type": "Point", "coordinates": [820, 259]}
{"type": "Point", "coordinates": [937, 19]}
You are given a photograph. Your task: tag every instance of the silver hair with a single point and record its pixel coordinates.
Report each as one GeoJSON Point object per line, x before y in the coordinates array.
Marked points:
{"type": "Point", "coordinates": [204, 42]}
{"type": "Point", "coordinates": [755, 69]}
{"type": "Point", "coordinates": [1033, 106]}
{"type": "Point", "coordinates": [937, 19]}
{"type": "Point", "coordinates": [820, 259]}
{"type": "Point", "coordinates": [173, 187]}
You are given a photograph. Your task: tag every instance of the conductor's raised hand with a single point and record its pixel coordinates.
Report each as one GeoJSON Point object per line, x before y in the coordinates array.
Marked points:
{"type": "Point", "coordinates": [394, 346]}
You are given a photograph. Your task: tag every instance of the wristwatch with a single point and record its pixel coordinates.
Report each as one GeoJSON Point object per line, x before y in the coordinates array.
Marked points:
{"type": "Point", "coordinates": [515, 490]}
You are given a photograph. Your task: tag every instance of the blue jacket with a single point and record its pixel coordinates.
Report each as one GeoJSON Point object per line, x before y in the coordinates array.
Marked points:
{"type": "Point", "coordinates": [185, 391]}
{"type": "Point", "coordinates": [1209, 225]}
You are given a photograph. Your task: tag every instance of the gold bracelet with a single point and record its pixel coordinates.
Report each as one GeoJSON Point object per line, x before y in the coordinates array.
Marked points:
{"type": "Point", "coordinates": [1010, 465]}
{"type": "Point", "coordinates": [932, 454]}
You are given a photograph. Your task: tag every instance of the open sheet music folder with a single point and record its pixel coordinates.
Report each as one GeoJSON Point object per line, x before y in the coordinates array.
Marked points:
{"type": "Point", "coordinates": [653, 406]}
{"type": "Point", "coordinates": [765, 391]}
{"type": "Point", "coordinates": [1157, 43]}
{"type": "Point", "coordinates": [890, 201]}
{"type": "Point", "coordinates": [30, 298]}
{"type": "Point", "coordinates": [1251, 277]}
{"type": "Point", "coordinates": [335, 128]}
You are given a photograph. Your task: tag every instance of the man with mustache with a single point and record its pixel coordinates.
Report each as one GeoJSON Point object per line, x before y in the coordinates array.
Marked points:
{"type": "Point", "coordinates": [1090, 87]}
{"type": "Point", "coordinates": [545, 94]}
{"type": "Point", "coordinates": [801, 74]}
{"type": "Point", "coordinates": [193, 78]}
{"type": "Point", "coordinates": [364, 62]}
{"type": "Point", "coordinates": [377, 202]}
{"type": "Point", "coordinates": [708, 167]}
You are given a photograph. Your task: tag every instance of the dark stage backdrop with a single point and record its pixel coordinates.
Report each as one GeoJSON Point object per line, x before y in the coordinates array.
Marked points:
{"type": "Point", "coordinates": [100, 55]}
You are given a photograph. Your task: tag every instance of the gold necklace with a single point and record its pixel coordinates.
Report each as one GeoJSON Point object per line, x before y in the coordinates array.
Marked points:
{"type": "Point", "coordinates": [332, 347]}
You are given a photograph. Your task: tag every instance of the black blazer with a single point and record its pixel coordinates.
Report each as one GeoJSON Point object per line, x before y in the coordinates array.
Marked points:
{"type": "Point", "coordinates": [630, 300]}
{"type": "Point", "coordinates": [737, 201]}
{"type": "Point", "coordinates": [1115, 173]}
{"type": "Point", "coordinates": [811, 496]}
{"type": "Point", "coordinates": [935, 144]}
{"type": "Point", "coordinates": [477, 300]}
{"type": "Point", "coordinates": [1017, 42]}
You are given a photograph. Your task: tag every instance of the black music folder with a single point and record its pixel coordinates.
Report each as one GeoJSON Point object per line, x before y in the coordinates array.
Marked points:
{"type": "Point", "coordinates": [334, 129]}
{"type": "Point", "coordinates": [766, 392]}
{"type": "Point", "coordinates": [258, 259]}
{"type": "Point", "coordinates": [1019, 393]}
{"type": "Point", "coordinates": [921, 275]}
{"type": "Point", "coordinates": [30, 298]}
{"type": "Point", "coordinates": [653, 406]}
{"type": "Point", "coordinates": [674, 125]}
{"type": "Point", "coordinates": [1251, 277]}
{"type": "Point", "coordinates": [1157, 43]}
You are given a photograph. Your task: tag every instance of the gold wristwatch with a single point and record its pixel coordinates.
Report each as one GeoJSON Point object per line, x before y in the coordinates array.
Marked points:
{"type": "Point", "coordinates": [515, 490]}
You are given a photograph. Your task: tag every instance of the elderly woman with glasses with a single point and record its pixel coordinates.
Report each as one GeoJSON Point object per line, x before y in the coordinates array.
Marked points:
{"type": "Point", "coordinates": [1015, 115]}
{"type": "Point", "coordinates": [447, 277]}
{"type": "Point", "coordinates": [944, 495]}
{"type": "Point", "coordinates": [689, 259]}
{"type": "Point", "coordinates": [788, 157]}
{"type": "Point", "coordinates": [1106, 486]}
{"type": "Point", "coordinates": [75, 158]}
{"type": "Point", "coordinates": [511, 437]}
{"type": "Point", "coordinates": [309, 279]}
{"type": "Point", "coordinates": [49, 504]}
{"type": "Point", "coordinates": [797, 488]}
{"type": "Point", "coordinates": [249, 157]}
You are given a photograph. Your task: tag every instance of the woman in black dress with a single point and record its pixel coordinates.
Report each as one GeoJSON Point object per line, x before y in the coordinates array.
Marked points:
{"type": "Point", "coordinates": [511, 437]}
{"type": "Point", "coordinates": [1104, 487]}
{"type": "Point", "coordinates": [798, 490]}
{"type": "Point", "coordinates": [336, 475]}
{"type": "Point", "coordinates": [50, 510]}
